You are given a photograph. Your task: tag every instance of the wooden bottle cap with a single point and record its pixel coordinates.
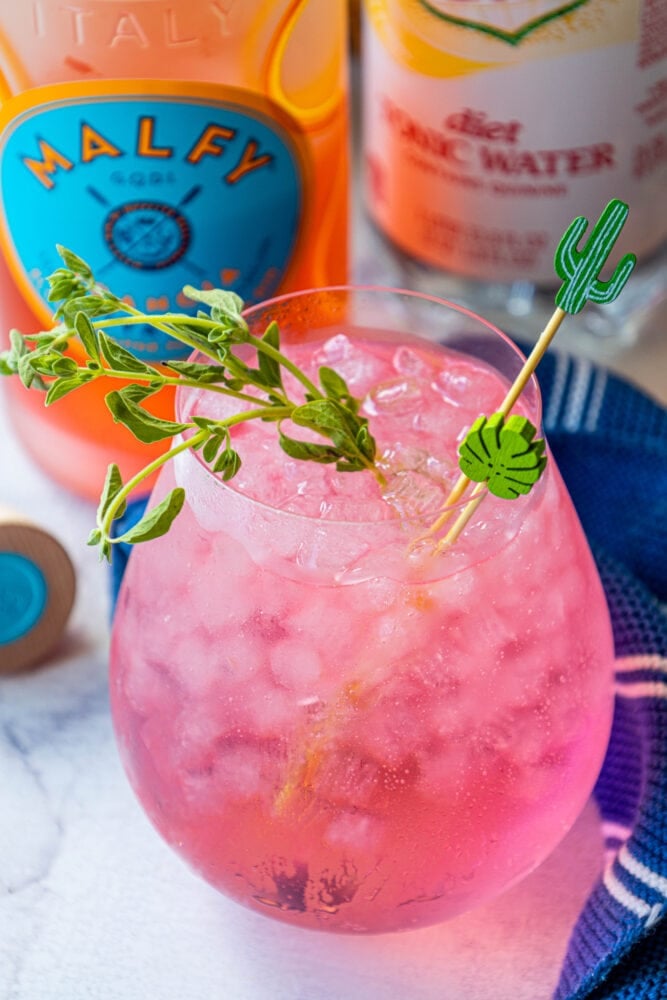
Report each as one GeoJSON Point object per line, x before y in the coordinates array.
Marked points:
{"type": "Point", "coordinates": [37, 586]}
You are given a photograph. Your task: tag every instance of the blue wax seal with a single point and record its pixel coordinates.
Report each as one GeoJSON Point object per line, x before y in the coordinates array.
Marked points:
{"type": "Point", "coordinates": [23, 595]}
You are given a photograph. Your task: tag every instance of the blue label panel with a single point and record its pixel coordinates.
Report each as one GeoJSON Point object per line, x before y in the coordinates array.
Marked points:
{"type": "Point", "coordinates": [154, 193]}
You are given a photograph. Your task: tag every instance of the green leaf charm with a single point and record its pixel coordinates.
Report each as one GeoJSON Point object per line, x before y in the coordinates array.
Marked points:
{"type": "Point", "coordinates": [503, 453]}
{"type": "Point", "coordinates": [580, 269]}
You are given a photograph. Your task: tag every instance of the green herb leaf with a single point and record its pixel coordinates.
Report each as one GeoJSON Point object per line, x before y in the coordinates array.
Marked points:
{"type": "Point", "coordinates": [268, 366]}
{"type": "Point", "coordinates": [212, 447]}
{"type": "Point", "coordinates": [61, 288]}
{"type": "Point", "coordinates": [120, 359]}
{"type": "Point", "coordinates": [44, 361]}
{"type": "Point", "coordinates": [74, 263]}
{"type": "Point", "coordinates": [89, 312]}
{"type": "Point", "coordinates": [328, 417]}
{"type": "Point", "coordinates": [333, 384]}
{"type": "Point", "coordinates": [322, 415]}
{"type": "Point", "coordinates": [11, 357]}
{"type": "Point", "coordinates": [228, 463]}
{"type": "Point", "coordinates": [113, 484]}
{"type": "Point", "coordinates": [63, 387]}
{"type": "Point", "coordinates": [241, 372]}
{"type": "Point", "coordinates": [26, 371]}
{"type": "Point", "coordinates": [349, 465]}
{"type": "Point", "coordinates": [64, 366]}
{"type": "Point", "coordinates": [206, 374]}
{"type": "Point", "coordinates": [87, 335]}
{"type": "Point", "coordinates": [220, 337]}
{"type": "Point", "coordinates": [225, 306]}
{"type": "Point", "coordinates": [366, 442]}
{"type": "Point", "coordinates": [17, 343]}
{"type": "Point", "coordinates": [205, 423]}
{"type": "Point", "coordinates": [137, 393]}
{"type": "Point", "coordinates": [157, 521]}
{"type": "Point", "coordinates": [143, 425]}
{"type": "Point", "coordinates": [322, 453]}
{"type": "Point", "coordinates": [89, 305]}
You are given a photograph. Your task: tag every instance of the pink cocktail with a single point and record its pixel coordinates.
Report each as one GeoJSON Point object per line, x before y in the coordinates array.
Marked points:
{"type": "Point", "coordinates": [331, 724]}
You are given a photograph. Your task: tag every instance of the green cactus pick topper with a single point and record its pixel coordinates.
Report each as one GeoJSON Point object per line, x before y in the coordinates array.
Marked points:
{"type": "Point", "coordinates": [580, 269]}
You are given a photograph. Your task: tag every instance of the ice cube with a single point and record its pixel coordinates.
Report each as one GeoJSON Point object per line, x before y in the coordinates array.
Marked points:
{"type": "Point", "coordinates": [407, 361]}
{"type": "Point", "coordinates": [295, 665]}
{"type": "Point", "coordinates": [379, 593]}
{"type": "Point", "coordinates": [359, 366]}
{"type": "Point", "coordinates": [453, 384]}
{"type": "Point", "coordinates": [334, 350]}
{"type": "Point", "coordinates": [327, 550]}
{"type": "Point", "coordinates": [229, 772]}
{"type": "Point", "coordinates": [197, 663]}
{"type": "Point", "coordinates": [245, 655]}
{"type": "Point", "coordinates": [272, 710]}
{"type": "Point", "coordinates": [240, 769]}
{"type": "Point", "coordinates": [399, 635]}
{"type": "Point", "coordinates": [221, 593]}
{"type": "Point", "coordinates": [395, 397]}
{"type": "Point", "coordinates": [356, 831]}
{"type": "Point", "coordinates": [413, 494]}
{"type": "Point", "coordinates": [146, 684]}
{"type": "Point", "coordinates": [463, 386]}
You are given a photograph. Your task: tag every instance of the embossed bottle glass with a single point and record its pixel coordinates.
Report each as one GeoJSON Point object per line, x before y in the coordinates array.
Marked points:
{"type": "Point", "coordinates": [335, 729]}
{"type": "Point", "coordinates": [166, 142]}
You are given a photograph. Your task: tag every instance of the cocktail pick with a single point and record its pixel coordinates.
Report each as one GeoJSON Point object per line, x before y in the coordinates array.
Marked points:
{"type": "Point", "coordinates": [498, 454]}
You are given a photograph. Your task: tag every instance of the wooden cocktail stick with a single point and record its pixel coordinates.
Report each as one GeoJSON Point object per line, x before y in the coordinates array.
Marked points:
{"type": "Point", "coordinates": [37, 586]}
{"type": "Point", "coordinates": [505, 407]}
{"type": "Point", "coordinates": [579, 270]}
{"type": "Point", "coordinates": [510, 399]}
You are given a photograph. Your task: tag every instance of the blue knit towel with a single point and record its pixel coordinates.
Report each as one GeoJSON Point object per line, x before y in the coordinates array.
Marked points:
{"type": "Point", "coordinates": [610, 442]}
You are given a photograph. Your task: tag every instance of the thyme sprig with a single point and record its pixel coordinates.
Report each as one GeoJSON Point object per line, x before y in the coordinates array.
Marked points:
{"type": "Point", "coordinates": [88, 313]}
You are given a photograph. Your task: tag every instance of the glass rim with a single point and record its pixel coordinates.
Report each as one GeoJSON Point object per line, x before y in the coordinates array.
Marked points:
{"type": "Point", "coordinates": [417, 520]}
{"type": "Point", "coordinates": [421, 296]}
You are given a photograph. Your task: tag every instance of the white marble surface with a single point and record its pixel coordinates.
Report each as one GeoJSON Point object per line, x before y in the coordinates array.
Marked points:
{"type": "Point", "coordinates": [93, 906]}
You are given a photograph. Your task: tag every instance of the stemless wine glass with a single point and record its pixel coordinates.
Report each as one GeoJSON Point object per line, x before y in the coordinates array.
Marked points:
{"type": "Point", "coordinates": [336, 726]}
